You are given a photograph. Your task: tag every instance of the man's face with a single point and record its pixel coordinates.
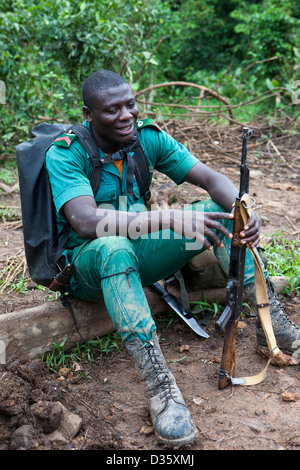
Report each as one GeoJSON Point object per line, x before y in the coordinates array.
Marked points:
{"type": "Point", "coordinates": [113, 117]}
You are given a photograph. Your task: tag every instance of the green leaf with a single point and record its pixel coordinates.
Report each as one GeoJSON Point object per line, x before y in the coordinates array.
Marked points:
{"type": "Point", "coordinates": [269, 84]}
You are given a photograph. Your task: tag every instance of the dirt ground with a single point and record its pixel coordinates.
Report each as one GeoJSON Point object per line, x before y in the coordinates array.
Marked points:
{"type": "Point", "coordinates": [108, 396]}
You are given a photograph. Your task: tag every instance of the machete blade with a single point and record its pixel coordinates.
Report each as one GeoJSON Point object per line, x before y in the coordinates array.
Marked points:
{"type": "Point", "coordinates": [178, 308]}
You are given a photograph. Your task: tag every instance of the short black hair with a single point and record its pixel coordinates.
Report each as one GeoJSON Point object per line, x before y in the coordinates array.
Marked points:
{"type": "Point", "coordinates": [100, 80]}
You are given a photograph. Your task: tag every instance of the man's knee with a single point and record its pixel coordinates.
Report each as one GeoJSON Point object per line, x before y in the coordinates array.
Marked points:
{"type": "Point", "coordinates": [113, 245]}
{"type": "Point", "coordinates": [117, 253]}
{"type": "Point", "coordinates": [102, 254]}
{"type": "Point", "coordinates": [109, 245]}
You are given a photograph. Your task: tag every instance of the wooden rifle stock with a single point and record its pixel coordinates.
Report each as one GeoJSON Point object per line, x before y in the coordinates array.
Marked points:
{"type": "Point", "coordinates": [227, 366]}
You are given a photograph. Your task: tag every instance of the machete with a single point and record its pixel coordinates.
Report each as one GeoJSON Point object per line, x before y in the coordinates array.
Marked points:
{"type": "Point", "coordinates": [177, 307]}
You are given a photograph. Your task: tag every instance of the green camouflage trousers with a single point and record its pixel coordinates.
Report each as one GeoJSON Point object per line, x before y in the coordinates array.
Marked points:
{"type": "Point", "coordinates": [117, 268]}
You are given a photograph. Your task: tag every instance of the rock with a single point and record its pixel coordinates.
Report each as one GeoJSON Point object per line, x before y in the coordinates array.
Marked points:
{"type": "Point", "coordinates": [70, 425]}
{"type": "Point", "coordinates": [48, 415]}
{"type": "Point", "coordinates": [147, 430]}
{"type": "Point", "coordinates": [198, 400]}
{"type": "Point", "coordinates": [13, 395]}
{"type": "Point", "coordinates": [57, 438]}
{"type": "Point", "coordinates": [23, 438]}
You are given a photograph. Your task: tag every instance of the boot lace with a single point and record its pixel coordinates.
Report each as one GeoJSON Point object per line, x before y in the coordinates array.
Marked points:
{"type": "Point", "coordinates": [158, 377]}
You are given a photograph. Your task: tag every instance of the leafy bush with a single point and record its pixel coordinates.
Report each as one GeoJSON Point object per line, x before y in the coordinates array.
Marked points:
{"type": "Point", "coordinates": [268, 29]}
{"type": "Point", "coordinates": [48, 47]}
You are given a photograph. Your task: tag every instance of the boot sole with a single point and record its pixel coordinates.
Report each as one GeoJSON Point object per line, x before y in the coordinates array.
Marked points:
{"type": "Point", "coordinates": [178, 442]}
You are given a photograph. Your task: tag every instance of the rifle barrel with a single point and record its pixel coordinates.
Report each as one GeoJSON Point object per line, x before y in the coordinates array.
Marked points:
{"type": "Point", "coordinates": [244, 171]}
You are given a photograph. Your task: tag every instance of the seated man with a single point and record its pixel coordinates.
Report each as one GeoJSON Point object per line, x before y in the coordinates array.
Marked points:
{"type": "Point", "coordinates": [118, 246]}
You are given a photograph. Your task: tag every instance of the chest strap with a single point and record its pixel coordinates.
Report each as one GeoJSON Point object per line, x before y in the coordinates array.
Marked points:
{"type": "Point", "coordinates": [132, 152]}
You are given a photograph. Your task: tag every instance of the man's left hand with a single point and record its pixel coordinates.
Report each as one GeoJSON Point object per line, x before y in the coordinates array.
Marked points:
{"type": "Point", "coordinates": [250, 234]}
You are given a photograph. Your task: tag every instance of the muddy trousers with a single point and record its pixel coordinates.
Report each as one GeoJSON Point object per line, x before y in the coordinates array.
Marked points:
{"type": "Point", "coordinates": [116, 269]}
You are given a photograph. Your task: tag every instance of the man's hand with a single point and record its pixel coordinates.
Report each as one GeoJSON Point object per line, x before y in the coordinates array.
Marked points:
{"type": "Point", "coordinates": [250, 233]}
{"type": "Point", "coordinates": [200, 226]}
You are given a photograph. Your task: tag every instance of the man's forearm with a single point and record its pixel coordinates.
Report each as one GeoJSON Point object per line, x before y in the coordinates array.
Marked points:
{"type": "Point", "coordinates": [91, 222]}
{"type": "Point", "coordinates": [219, 187]}
{"type": "Point", "coordinates": [109, 222]}
{"type": "Point", "coordinates": [223, 192]}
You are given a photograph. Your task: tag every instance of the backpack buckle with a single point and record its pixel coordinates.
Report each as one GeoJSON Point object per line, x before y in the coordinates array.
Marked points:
{"type": "Point", "coordinates": [147, 195]}
{"type": "Point", "coordinates": [117, 156]}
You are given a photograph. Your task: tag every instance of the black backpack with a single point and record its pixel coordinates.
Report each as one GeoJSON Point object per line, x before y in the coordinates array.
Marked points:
{"type": "Point", "coordinates": [43, 244]}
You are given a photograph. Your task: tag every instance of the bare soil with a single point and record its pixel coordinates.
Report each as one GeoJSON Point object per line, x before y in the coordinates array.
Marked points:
{"type": "Point", "coordinates": [109, 395]}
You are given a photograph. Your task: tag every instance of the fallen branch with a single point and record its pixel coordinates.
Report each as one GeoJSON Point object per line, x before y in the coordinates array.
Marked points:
{"type": "Point", "coordinates": [281, 156]}
{"type": "Point", "coordinates": [8, 189]}
{"type": "Point", "coordinates": [31, 332]}
{"type": "Point", "coordinates": [188, 84]}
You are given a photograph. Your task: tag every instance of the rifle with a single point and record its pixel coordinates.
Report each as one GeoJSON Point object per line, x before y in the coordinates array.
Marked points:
{"type": "Point", "coordinates": [235, 285]}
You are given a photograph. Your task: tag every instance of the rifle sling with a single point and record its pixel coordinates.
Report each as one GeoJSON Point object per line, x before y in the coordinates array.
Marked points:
{"type": "Point", "coordinates": [262, 304]}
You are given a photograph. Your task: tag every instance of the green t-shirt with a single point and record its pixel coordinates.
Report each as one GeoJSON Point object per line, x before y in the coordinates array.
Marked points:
{"type": "Point", "coordinates": [69, 165]}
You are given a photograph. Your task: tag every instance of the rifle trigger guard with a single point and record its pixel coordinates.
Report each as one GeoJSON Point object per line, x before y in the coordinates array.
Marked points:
{"type": "Point", "coordinates": [251, 205]}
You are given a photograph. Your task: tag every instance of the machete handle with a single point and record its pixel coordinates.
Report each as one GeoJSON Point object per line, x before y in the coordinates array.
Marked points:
{"type": "Point", "coordinates": [62, 278]}
{"type": "Point", "coordinates": [158, 289]}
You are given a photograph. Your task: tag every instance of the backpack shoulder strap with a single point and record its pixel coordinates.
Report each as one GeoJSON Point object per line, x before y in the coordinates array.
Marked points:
{"type": "Point", "coordinates": [87, 140]}
{"type": "Point", "coordinates": [141, 167]}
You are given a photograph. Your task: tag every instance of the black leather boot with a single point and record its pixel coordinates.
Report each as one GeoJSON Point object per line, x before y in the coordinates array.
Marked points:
{"type": "Point", "coordinates": [170, 416]}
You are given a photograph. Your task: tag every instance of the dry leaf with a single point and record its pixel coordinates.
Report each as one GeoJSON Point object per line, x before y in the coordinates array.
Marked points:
{"type": "Point", "coordinates": [286, 396]}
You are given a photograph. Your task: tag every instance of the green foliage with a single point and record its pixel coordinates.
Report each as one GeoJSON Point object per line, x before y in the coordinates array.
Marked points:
{"type": "Point", "coordinates": [59, 357]}
{"type": "Point", "coordinates": [284, 259]}
{"type": "Point", "coordinates": [202, 38]}
{"type": "Point", "coordinates": [8, 213]}
{"type": "Point", "coordinates": [267, 29]}
{"type": "Point", "coordinates": [204, 308]}
{"type": "Point", "coordinates": [48, 48]}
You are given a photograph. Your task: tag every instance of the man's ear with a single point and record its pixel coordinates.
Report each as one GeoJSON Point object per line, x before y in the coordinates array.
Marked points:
{"type": "Point", "coordinates": [87, 113]}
